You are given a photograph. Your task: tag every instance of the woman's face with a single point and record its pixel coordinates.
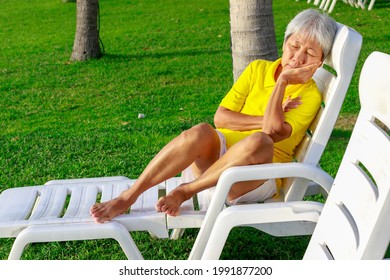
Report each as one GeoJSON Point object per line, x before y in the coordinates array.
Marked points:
{"type": "Point", "coordinates": [299, 51]}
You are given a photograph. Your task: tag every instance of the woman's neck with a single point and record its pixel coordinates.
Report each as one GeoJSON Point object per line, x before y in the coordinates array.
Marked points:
{"type": "Point", "coordinates": [279, 70]}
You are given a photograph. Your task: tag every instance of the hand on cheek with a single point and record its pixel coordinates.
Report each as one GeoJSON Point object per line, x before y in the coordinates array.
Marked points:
{"type": "Point", "coordinates": [299, 75]}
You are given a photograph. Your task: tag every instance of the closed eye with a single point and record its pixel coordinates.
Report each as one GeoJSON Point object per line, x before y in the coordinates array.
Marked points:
{"type": "Point", "coordinates": [311, 54]}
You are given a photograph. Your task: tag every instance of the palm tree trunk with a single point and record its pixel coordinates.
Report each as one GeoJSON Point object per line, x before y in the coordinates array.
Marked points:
{"type": "Point", "coordinates": [86, 42]}
{"type": "Point", "coordinates": [252, 33]}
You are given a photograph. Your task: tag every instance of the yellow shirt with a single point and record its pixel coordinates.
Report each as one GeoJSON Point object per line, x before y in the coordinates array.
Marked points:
{"type": "Point", "coordinates": [250, 95]}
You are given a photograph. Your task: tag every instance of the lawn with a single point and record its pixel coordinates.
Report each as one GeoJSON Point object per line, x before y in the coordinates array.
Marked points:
{"type": "Point", "coordinates": [169, 60]}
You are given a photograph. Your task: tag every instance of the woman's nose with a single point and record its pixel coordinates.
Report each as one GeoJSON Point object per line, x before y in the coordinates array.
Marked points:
{"type": "Point", "coordinates": [299, 58]}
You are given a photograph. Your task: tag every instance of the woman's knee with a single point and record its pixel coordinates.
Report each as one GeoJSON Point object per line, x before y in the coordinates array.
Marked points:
{"type": "Point", "coordinates": [260, 148]}
{"type": "Point", "coordinates": [199, 133]}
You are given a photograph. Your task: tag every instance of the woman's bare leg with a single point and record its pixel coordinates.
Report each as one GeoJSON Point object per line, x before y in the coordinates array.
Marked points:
{"type": "Point", "coordinates": [255, 149]}
{"type": "Point", "coordinates": [200, 144]}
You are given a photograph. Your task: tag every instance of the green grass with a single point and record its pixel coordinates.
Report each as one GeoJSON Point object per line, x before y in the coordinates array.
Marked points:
{"type": "Point", "coordinates": [167, 59]}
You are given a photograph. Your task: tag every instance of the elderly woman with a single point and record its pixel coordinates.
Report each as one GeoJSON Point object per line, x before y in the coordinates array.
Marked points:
{"type": "Point", "coordinates": [261, 120]}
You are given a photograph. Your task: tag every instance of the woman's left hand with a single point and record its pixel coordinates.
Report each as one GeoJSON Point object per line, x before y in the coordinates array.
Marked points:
{"type": "Point", "coordinates": [291, 103]}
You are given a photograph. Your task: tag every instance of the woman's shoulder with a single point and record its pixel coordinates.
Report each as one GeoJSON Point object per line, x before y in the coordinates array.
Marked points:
{"type": "Point", "coordinates": [262, 63]}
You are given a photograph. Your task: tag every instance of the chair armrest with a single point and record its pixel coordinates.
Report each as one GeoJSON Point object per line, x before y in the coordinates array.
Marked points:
{"type": "Point", "coordinates": [269, 171]}
{"type": "Point", "coordinates": [249, 173]}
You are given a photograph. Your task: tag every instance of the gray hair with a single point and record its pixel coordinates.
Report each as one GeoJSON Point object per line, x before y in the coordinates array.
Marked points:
{"type": "Point", "coordinates": [315, 26]}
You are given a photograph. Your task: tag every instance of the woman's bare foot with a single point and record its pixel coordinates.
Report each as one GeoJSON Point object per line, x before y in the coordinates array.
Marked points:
{"type": "Point", "coordinates": [170, 203]}
{"type": "Point", "coordinates": [105, 211]}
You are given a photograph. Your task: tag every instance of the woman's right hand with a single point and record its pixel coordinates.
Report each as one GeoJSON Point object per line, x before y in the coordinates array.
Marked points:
{"type": "Point", "coordinates": [299, 75]}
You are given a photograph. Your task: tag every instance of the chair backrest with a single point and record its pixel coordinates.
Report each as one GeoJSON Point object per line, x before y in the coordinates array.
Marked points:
{"type": "Point", "coordinates": [355, 221]}
{"type": "Point", "coordinates": [333, 81]}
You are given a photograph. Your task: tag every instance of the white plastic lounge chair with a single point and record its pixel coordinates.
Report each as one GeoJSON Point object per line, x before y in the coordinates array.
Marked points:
{"type": "Point", "coordinates": [59, 211]}
{"type": "Point", "coordinates": [360, 3]}
{"type": "Point", "coordinates": [354, 223]}
{"type": "Point", "coordinates": [328, 5]}
{"type": "Point", "coordinates": [324, 5]}
{"type": "Point", "coordinates": [342, 60]}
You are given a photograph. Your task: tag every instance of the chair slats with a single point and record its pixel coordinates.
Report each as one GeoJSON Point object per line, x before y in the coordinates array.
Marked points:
{"type": "Point", "coordinates": [118, 188]}
{"type": "Point", "coordinates": [17, 204]}
{"type": "Point", "coordinates": [106, 193]}
{"type": "Point", "coordinates": [75, 199]}
{"type": "Point", "coordinates": [41, 203]}
{"type": "Point", "coordinates": [357, 181]}
{"type": "Point", "coordinates": [146, 201]}
{"type": "Point", "coordinates": [87, 200]}
{"type": "Point", "coordinates": [110, 190]}
{"type": "Point", "coordinates": [172, 184]}
{"type": "Point", "coordinates": [50, 203]}
{"type": "Point", "coordinates": [341, 242]}
{"type": "Point", "coordinates": [372, 157]}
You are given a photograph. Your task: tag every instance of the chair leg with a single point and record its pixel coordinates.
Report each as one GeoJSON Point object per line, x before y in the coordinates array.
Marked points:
{"type": "Point", "coordinates": [372, 2]}
{"type": "Point", "coordinates": [177, 233]}
{"type": "Point", "coordinates": [332, 6]}
{"type": "Point", "coordinates": [218, 237]}
{"type": "Point", "coordinates": [87, 231]}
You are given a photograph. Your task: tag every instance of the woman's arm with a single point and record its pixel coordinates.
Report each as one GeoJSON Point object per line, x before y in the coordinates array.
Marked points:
{"type": "Point", "coordinates": [225, 118]}
{"type": "Point", "coordinates": [274, 121]}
